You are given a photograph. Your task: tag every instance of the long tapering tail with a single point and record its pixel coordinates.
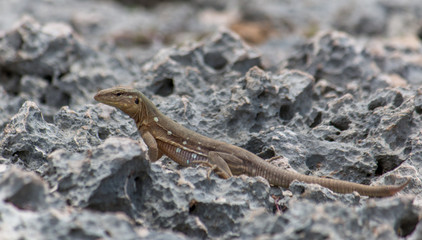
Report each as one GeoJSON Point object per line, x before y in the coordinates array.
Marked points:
{"type": "Point", "coordinates": [283, 178]}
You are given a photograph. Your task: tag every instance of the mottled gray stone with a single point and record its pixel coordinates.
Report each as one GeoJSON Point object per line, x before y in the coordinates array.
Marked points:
{"type": "Point", "coordinates": [28, 138]}
{"type": "Point", "coordinates": [63, 224]}
{"type": "Point", "coordinates": [29, 211]}
{"type": "Point", "coordinates": [187, 69]}
{"type": "Point", "coordinates": [8, 107]}
{"type": "Point", "coordinates": [50, 65]}
{"type": "Point", "coordinates": [98, 178]}
{"type": "Point", "coordinates": [334, 221]}
{"type": "Point", "coordinates": [25, 190]}
{"type": "Point", "coordinates": [115, 176]}
{"type": "Point", "coordinates": [339, 106]}
{"type": "Point", "coordinates": [369, 18]}
{"type": "Point", "coordinates": [42, 50]}
{"type": "Point", "coordinates": [268, 98]}
{"type": "Point", "coordinates": [335, 57]}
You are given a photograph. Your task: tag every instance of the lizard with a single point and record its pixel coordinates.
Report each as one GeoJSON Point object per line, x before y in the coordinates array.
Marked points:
{"type": "Point", "coordinates": [163, 136]}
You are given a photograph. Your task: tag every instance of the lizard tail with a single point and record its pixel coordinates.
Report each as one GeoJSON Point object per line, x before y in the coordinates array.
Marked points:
{"type": "Point", "coordinates": [340, 186]}
{"type": "Point", "coordinates": [283, 178]}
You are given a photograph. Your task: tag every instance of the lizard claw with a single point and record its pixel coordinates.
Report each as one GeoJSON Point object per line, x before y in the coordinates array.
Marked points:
{"type": "Point", "coordinates": [213, 167]}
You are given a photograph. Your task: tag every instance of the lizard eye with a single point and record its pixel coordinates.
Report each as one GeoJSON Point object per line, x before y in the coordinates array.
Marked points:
{"type": "Point", "coordinates": [137, 101]}
{"type": "Point", "coordinates": [118, 94]}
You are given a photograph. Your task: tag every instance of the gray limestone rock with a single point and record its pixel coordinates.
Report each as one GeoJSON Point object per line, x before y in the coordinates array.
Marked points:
{"type": "Point", "coordinates": [187, 69]}
{"type": "Point", "coordinates": [28, 138]}
{"type": "Point", "coordinates": [98, 179]}
{"type": "Point", "coordinates": [102, 180]}
{"type": "Point", "coordinates": [25, 190]}
{"type": "Point", "coordinates": [339, 106]}
{"type": "Point", "coordinates": [63, 224]}
{"type": "Point", "coordinates": [41, 50]}
{"type": "Point", "coordinates": [51, 66]}
{"type": "Point", "coordinates": [29, 211]}
{"type": "Point", "coordinates": [335, 57]}
{"type": "Point", "coordinates": [335, 221]}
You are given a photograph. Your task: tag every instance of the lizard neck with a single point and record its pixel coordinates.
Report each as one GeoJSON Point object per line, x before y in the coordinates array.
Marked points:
{"type": "Point", "coordinates": [141, 115]}
{"type": "Point", "coordinates": [146, 113]}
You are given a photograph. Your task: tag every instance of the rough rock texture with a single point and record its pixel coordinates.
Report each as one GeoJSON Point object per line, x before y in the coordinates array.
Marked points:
{"type": "Point", "coordinates": [340, 105]}
{"type": "Point", "coordinates": [307, 221]}
{"type": "Point", "coordinates": [29, 212]}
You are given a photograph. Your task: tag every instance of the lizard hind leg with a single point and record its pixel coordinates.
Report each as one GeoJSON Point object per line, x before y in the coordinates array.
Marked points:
{"type": "Point", "coordinates": [212, 168]}
{"type": "Point", "coordinates": [219, 165]}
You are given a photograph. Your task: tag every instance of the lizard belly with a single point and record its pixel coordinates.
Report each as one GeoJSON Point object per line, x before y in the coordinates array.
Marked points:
{"type": "Point", "coordinates": [181, 154]}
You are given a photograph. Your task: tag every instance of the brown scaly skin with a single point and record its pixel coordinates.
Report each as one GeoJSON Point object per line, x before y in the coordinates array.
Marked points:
{"type": "Point", "coordinates": [164, 136]}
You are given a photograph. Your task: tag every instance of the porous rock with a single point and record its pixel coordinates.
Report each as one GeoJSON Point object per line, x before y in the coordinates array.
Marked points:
{"type": "Point", "coordinates": [29, 211]}
{"type": "Point", "coordinates": [187, 69]}
{"type": "Point", "coordinates": [33, 49]}
{"type": "Point", "coordinates": [341, 110]}
{"type": "Point", "coordinates": [335, 221]}
{"type": "Point", "coordinates": [102, 180]}
{"type": "Point", "coordinates": [28, 138]}
{"type": "Point", "coordinates": [51, 66]}
{"type": "Point", "coordinates": [9, 106]}
{"type": "Point", "coordinates": [335, 57]}
{"type": "Point", "coordinates": [25, 190]}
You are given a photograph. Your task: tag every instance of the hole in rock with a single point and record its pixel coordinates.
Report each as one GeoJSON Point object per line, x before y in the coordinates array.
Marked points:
{"type": "Point", "coordinates": [103, 133]}
{"type": "Point", "coordinates": [328, 139]}
{"type": "Point", "coordinates": [22, 155]}
{"type": "Point", "coordinates": [254, 145]}
{"type": "Point", "coordinates": [314, 161]}
{"type": "Point", "coordinates": [386, 163]}
{"type": "Point", "coordinates": [406, 224]}
{"type": "Point", "coordinates": [379, 102]}
{"type": "Point", "coordinates": [165, 88]}
{"type": "Point", "coordinates": [267, 153]}
{"type": "Point", "coordinates": [398, 100]}
{"type": "Point", "coordinates": [286, 112]}
{"type": "Point", "coordinates": [43, 99]}
{"type": "Point", "coordinates": [192, 205]}
{"type": "Point", "coordinates": [341, 123]}
{"type": "Point", "coordinates": [317, 120]}
{"type": "Point", "coordinates": [215, 60]}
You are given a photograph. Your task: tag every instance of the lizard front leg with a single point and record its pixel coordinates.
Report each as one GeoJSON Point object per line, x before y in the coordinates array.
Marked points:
{"type": "Point", "coordinates": [153, 152]}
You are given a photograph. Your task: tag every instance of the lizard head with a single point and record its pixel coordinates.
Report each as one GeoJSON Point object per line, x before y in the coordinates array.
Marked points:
{"type": "Point", "coordinates": [128, 100]}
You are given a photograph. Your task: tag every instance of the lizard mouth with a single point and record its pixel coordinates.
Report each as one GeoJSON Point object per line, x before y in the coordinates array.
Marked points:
{"type": "Point", "coordinates": [99, 98]}
{"type": "Point", "coordinates": [108, 97]}
{"type": "Point", "coordinates": [102, 98]}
